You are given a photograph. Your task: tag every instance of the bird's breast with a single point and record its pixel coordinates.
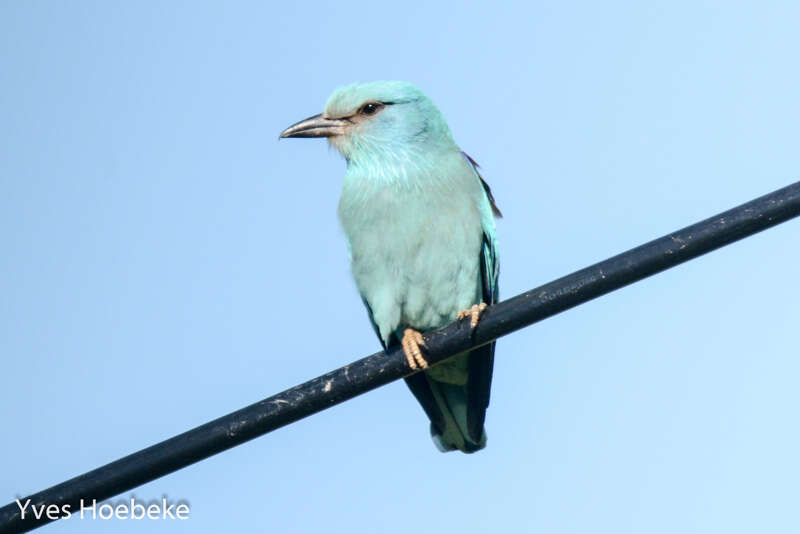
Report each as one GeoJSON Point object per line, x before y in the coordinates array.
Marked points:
{"type": "Point", "coordinates": [414, 252]}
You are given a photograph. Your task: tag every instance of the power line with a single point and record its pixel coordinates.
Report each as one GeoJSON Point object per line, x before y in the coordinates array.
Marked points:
{"type": "Point", "coordinates": [380, 368]}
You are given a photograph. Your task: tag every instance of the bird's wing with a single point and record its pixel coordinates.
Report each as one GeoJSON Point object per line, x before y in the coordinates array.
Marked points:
{"type": "Point", "coordinates": [375, 325]}
{"type": "Point", "coordinates": [457, 413]}
{"type": "Point", "coordinates": [488, 190]}
{"type": "Point", "coordinates": [481, 360]}
{"type": "Point", "coordinates": [439, 400]}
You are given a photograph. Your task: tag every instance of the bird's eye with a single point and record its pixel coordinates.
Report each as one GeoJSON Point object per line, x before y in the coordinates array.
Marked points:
{"type": "Point", "coordinates": [370, 108]}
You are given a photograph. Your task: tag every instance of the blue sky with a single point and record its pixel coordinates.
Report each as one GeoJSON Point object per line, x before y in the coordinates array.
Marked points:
{"type": "Point", "coordinates": [165, 260]}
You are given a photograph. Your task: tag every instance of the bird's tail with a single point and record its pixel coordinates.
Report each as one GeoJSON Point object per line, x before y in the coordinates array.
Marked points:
{"type": "Point", "coordinates": [455, 395]}
{"type": "Point", "coordinates": [454, 435]}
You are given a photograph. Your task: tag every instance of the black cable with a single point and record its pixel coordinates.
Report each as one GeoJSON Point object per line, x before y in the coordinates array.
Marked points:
{"type": "Point", "coordinates": [379, 369]}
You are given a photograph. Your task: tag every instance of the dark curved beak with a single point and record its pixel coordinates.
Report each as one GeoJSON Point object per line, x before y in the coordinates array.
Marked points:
{"type": "Point", "coordinates": [316, 126]}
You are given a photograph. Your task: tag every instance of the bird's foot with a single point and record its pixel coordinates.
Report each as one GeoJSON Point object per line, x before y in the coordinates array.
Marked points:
{"type": "Point", "coordinates": [474, 314]}
{"type": "Point", "coordinates": [411, 342]}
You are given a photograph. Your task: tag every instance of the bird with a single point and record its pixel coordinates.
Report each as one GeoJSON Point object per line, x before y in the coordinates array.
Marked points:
{"type": "Point", "coordinates": [419, 221]}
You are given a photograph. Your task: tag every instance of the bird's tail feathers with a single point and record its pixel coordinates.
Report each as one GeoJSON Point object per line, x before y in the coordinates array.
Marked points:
{"type": "Point", "coordinates": [455, 395]}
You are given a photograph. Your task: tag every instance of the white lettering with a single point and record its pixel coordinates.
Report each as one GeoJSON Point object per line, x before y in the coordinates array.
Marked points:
{"type": "Point", "coordinates": [38, 512]}
{"type": "Point", "coordinates": [136, 506]}
{"type": "Point", "coordinates": [52, 512]}
{"type": "Point", "coordinates": [106, 507]}
{"type": "Point", "coordinates": [92, 508]}
{"type": "Point", "coordinates": [122, 509]}
{"type": "Point", "coordinates": [167, 509]}
{"type": "Point", "coordinates": [182, 511]}
{"type": "Point", "coordinates": [22, 508]}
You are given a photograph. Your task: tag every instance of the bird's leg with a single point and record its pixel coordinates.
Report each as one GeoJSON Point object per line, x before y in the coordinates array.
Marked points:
{"type": "Point", "coordinates": [411, 343]}
{"type": "Point", "coordinates": [474, 314]}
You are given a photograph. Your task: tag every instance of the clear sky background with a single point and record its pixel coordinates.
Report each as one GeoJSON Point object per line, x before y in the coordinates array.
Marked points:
{"type": "Point", "coordinates": [164, 260]}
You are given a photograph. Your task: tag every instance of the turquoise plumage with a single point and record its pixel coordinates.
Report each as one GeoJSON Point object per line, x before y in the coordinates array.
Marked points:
{"type": "Point", "coordinates": [419, 222]}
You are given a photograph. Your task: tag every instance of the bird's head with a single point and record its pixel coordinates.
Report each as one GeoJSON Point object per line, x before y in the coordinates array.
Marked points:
{"type": "Point", "coordinates": [373, 121]}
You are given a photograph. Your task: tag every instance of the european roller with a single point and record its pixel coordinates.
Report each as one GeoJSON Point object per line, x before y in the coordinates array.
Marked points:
{"type": "Point", "coordinates": [419, 222]}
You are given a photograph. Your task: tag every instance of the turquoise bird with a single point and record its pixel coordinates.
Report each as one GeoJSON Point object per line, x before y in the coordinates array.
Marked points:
{"type": "Point", "coordinates": [420, 229]}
